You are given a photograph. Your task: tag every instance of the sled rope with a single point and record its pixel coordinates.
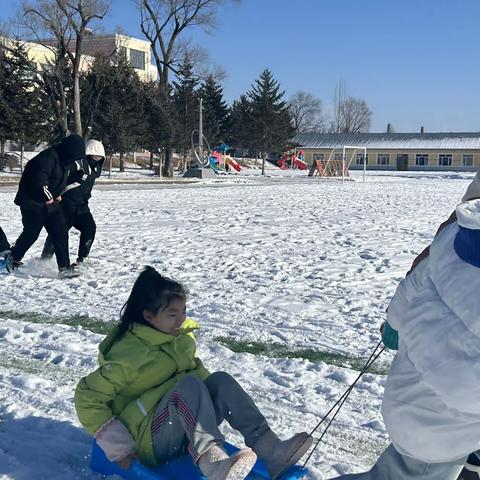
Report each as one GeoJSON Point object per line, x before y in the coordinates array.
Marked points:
{"type": "Point", "coordinates": [339, 403]}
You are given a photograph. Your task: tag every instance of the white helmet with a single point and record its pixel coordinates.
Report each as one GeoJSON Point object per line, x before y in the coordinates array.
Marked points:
{"type": "Point", "coordinates": [94, 148]}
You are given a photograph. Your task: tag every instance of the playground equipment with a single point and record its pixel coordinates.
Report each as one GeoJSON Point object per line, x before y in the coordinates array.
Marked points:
{"type": "Point", "coordinates": [216, 159]}
{"type": "Point", "coordinates": [293, 159]}
{"type": "Point", "coordinates": [299, 160]}
{"type": "Point", "coordinates": [233, 163]}
{"type": "Point", "coordinates": [178, 468]}
{"type": "Point", "coordinates": [219, 159]}
{"type": "Point", "coordinates": [337, 164]}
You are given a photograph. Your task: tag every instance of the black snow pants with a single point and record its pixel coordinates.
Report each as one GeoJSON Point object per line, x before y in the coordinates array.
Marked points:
{"type": "Point", "coordinates": [85, 224]}
{"type": "Point", "coordinates": [51, 217]}
{"type": "Point", "coordinates": [4, 245]}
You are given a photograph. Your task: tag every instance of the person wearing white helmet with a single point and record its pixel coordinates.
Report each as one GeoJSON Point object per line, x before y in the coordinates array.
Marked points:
{"type": "Point", "coordinates": [76, 195]}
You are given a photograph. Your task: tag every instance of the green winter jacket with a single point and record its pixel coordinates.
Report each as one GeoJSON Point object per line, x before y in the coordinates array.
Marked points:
{"type": "Point", "coordinates": [135, 372]}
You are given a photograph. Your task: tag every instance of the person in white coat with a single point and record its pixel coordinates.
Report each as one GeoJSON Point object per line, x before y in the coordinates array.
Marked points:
{"type": "Point", "coordinates": [431, 406]}
{"type": "Point", "coordinates": [473, 192]}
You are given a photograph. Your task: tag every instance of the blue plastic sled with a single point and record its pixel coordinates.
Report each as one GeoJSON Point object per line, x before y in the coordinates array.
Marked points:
{"type": "Point", "coordinates": [179, 468]}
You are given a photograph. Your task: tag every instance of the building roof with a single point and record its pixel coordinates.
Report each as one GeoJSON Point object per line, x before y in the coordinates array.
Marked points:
{"type": "Point", "coordinates": [417, 141]}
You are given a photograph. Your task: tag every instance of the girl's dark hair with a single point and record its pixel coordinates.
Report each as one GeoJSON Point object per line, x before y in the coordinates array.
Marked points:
{"type": "Point", "coordinates": [151, 291]}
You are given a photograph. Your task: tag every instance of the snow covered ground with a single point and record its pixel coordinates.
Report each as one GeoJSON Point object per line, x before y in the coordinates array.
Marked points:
{"type": "Point", "coordinates": [289, 276]}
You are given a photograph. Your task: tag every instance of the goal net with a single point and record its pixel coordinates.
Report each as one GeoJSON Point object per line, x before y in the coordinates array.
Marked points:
{"type": "Point", "coordinates": [338, 162]}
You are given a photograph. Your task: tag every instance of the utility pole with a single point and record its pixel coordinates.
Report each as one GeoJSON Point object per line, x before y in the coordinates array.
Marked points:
{"type": "Point", "coordinates": [200, 131]}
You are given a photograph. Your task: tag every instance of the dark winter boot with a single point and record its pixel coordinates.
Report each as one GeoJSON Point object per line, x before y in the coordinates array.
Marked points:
{"type": "Point", "coordinates": [8, 257]}
{"type": "Point", "coordinates": [471, 471]}
{"type": "Point", "coordinates": [280, 455]}
{"type": "Point", "coordinates": [68, 272]}
{"type": "Point", "coordinates": [81, 262]}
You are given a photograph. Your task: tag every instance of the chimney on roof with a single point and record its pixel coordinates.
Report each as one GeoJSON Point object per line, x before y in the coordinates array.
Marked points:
{"type": "Point", "coordinates": [422, 130]}
{"type": "Point", "coordinates": [389, 128]}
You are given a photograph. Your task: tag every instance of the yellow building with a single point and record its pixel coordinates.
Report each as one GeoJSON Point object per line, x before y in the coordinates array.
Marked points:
{"type": "Point", "coordinates": [136, 51]}
{"type": "Point", "coordinates": [396, 151]}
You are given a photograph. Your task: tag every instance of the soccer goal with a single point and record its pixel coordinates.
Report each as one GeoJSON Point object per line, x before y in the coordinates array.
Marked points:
{"type": "Point", "coordinates": [338, 162]}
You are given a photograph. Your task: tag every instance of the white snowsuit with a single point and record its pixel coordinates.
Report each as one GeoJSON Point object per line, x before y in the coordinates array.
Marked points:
{"type": "Point", "coordinates": [473, 190]}
{"type": "Point", "coordinates": [431, 406]}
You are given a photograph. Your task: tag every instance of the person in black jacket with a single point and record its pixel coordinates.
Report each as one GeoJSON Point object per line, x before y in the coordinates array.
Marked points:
{"type": "Point", "coordinates": [75, 199]}
{"type": "Point", "coordinates": [5, 251]}
{"type": "Point", "coordinates": [39, 195]}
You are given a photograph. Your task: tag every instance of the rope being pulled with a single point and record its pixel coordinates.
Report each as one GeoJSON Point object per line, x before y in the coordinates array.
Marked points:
{"type": "Point", "coordinates": [339, 403]}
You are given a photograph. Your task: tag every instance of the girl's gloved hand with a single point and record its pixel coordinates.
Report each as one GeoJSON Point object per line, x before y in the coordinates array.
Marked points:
{"type": "Point", "coordinates": [389, 336]}
{"type": "Point", "coordinates": [116, 441]}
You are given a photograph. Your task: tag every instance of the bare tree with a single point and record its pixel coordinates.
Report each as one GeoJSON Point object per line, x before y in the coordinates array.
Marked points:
{"type": "Point", "coordinates": [163, 22]}
{"type": "Point", "coordinates": [306, 111]}
{"type": "Point", "coordinates": [66, 22]}
{"type": "Point", "coordinates": [352, 115]}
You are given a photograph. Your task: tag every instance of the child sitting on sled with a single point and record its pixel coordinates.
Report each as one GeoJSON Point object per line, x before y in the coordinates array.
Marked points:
{"type": "Point", "coordinates": [152, 397]}
{"type": "Point", "coordinates": [431, 405]}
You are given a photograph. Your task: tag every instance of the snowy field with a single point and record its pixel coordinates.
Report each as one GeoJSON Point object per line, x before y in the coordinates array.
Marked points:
{"type": "Point", "coordinates": [289, 277]}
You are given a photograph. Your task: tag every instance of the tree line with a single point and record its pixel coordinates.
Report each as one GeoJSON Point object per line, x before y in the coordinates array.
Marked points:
{"type": "Point", "coordinates": [108, 101]}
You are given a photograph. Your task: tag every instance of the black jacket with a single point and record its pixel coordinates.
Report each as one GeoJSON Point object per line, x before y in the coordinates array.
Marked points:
{"type": "Point", "coordinates": [81, 178]}
{"type": "Point", "coordinates": [45, 175]}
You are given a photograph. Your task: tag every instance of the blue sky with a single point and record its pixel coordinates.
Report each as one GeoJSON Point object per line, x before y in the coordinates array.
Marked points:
{"type": "Point", "coordinates": [415, 62]}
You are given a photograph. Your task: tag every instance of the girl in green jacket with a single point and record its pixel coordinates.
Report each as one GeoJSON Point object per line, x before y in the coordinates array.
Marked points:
{"type": "Point", "coordinates": [152, 397]}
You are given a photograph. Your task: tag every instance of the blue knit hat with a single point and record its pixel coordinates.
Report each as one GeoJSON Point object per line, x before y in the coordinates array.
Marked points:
{"type": "Point", "coordinates": [467, 240]}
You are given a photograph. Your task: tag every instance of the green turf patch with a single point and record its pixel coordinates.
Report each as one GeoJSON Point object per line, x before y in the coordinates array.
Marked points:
{"type": "Point", "coordinates": [277, 350]}
{"type": "Point", "coordinates": [272, 350]}
{"type": "Point", "coordinates": [60, 375]}
{"type": "Point", "coordinates": [84, 321]}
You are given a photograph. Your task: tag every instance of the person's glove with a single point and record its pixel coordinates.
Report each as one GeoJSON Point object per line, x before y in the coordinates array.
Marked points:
{"type": "Point", "coordinates": [389, 336]}
{"type": "Point", "coordinates": [115, 440]}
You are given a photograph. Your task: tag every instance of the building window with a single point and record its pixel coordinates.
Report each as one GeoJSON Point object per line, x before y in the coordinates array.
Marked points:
{"type": "Point", "coordinates": [383, 159]}
{"type": "Point", "coordinates": [338, 156]}
{"type": "Point", "coordinates": [445, 160]}
{"type": "Point", "coordinates": [318, 156]}
{"type": "Point", "coordinates": [360, 157]}
{"type": "Point", "coordinates": [468, 160]}
{"type": "Point", "coordinates": [137, 59]}
{"type": "Point", "coordinates": [421, 159]}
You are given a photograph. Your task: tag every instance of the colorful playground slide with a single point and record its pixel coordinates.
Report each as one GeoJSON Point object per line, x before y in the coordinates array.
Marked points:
{"type": "Point", "coordinates": [233, 163]}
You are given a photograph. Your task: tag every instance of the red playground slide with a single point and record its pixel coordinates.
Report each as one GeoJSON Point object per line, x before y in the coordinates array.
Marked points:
{"type": "Point", "coordinates": [234, 164]}
{"type": "Point", "coordinates": [300, 163]}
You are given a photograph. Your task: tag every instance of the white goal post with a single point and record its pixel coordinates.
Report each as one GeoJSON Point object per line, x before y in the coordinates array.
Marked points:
{"type": "Point", "coordinates": [338, 161]}
{"type": "Point", "coordinates": [347, 147]}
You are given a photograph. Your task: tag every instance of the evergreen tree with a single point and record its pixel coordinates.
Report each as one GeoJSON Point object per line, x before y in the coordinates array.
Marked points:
{"type": "Point", "coordinates": [24, 112]}
{"type": "Point", "coordinates": [119, 119]}
{"type": "Point", "coordinates": [215, 111]}
{"type": "Point", "coordinates": [270, 114]}
{"type": "Point", "coordinates": [185, 102]}
{"type": "Point", "coordinates": [241, 128]}
{"type": "Point", "coordinates": [157, 134]}
{"type": "Point", "coordinates": [8, 117]}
